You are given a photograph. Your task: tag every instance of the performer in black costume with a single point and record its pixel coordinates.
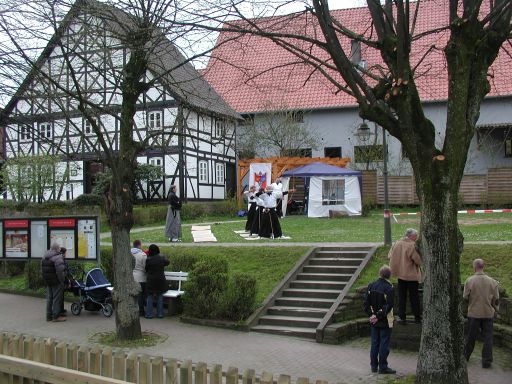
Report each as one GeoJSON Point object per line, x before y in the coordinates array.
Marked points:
{"type": "Point", "coordinates": [260, 206]}
{"type": "Point", "coordinates": [251, 199]}
{"type": "Point", "coordinates": [269, 226]}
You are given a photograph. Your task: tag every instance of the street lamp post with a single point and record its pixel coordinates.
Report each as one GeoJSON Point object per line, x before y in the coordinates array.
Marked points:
{"type": "Point", "coordinates": [387, 213]}
{"type": "Point", "coordinates": [363, 133]}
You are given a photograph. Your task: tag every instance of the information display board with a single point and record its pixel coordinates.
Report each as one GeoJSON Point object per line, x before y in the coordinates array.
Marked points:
{"type": "Point", "coordinates": [32, 237]}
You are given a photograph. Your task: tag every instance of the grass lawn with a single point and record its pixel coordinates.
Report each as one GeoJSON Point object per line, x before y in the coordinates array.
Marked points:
{"type": "Point", "coordinates": [476, 227]}
{"type": "Point", "coordinates": [267, 265]}
{"type": "Point", "coordinates": [498, 259]}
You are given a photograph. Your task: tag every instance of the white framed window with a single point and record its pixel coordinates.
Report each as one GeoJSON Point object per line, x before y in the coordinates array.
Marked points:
{"type": "Point", "coordinates": [220, 128]}
{"type": "Point", "coordinates": [45, 130]}
{"type": "Point", "coordinates": [87, 127]}
{"type": "Point", "coordinates": [156, 161]}
{"type": "Point", "coordinates": [219, 173]}
{"type": "Point", "coordinates": [203, 171]}
{"type": "Point", "coordinates": [155, 121]}
{"type": "Point", "coordinates": [25, 133]}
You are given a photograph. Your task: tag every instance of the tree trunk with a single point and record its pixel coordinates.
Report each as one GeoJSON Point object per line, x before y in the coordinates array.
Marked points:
{"type": "Point", "coordinates": [126, 290]}
{"type": "Point", "coordinates": [441, 357]}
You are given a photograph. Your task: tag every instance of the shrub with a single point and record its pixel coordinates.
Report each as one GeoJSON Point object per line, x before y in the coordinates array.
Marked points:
{"type": "Point", "coordinates": [34, 275]}
{"type": "Point", "coordinates": [239, 299]}
{"type": "Point", "coordinates": [206, 284]}
{"type": "Point", "coordinates": [368, 206]}
{"type": "Point", "coordinates": [89, 199]}
{"type": "Point", "coordinates": [106, 264]}
{"type": "Point", "coordinates": [181, 262]}
{"type": "Point", "coordinates": [14, 267]}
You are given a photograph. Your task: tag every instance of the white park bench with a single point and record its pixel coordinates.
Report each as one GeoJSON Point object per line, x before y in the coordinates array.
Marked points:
{"type": "Point", "coordinates": [172, 294]}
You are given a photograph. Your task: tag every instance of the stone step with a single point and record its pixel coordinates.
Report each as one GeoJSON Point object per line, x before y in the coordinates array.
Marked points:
{"type": "Point", "coordinates": [312, 293]}
{"type": "Point", "coordinates": [318, 284]}
{"type": "Point", "coordinates": [304, 302]}
{"type": "Point", "coordinates": [324, 276]}
{"type": "Point", "coordinates": [297, 311]}
{"type": "Point", "coordinates": [335, 261]}
{"type": "Point", "coordinates": [357, 249]}
{"type": "Point", "coordinates": [288, 331]}
{"type": "Point", "coordinates": [289, 321]}
{"type": "Point", "coordinates": [341, 254]}
{"type": "Point", "coordinates": [333, 269]}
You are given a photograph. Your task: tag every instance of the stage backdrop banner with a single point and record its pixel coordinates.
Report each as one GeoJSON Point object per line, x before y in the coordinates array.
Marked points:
{"type": "Point", "coordinates": [260, 174]}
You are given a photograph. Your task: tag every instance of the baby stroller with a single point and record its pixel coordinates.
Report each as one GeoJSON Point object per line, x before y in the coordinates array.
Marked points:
{"type": "Point", "coordinates": [94, 294]}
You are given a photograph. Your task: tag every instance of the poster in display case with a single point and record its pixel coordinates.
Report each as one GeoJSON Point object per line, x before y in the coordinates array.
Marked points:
{"type": "Point", "coordinates": [86, 239]}
{"type": "Point", "coordinates": [16, 243]}
{"type": "Point", "coordinates": [65, 238]}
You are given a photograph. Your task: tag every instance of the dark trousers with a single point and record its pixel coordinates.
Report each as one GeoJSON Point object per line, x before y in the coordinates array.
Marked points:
{"type": "Point", "coordinates": [486, 326]}
{"type": "Point", "coordinates": [405, 286]}
{"type": "Point", "coordinates": [379, 349]}
{"type": "Point", "coordinates": [142, 298]}
{"type": "Point", "coordinates": [54, 300]}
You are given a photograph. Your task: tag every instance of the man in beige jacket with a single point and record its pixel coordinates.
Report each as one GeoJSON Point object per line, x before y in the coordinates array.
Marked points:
{"type": "Point", "coordinates": [482, 294]}
{"type": "Point", "coordinates": [405, 264]}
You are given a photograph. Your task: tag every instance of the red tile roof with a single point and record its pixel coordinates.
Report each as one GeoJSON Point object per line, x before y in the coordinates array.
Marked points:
{"type": "Point", "coordinates": [252, 72]}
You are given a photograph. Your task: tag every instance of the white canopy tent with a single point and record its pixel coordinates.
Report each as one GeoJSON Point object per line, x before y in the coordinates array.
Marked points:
{"type": "Point", "coordinates": [328, 188]}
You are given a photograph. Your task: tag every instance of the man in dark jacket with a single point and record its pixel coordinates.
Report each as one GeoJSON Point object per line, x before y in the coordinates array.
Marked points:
{"type": "Point", "coordinates": [54, 275]}
{"type": "Point", "coordinates": [378, 304]}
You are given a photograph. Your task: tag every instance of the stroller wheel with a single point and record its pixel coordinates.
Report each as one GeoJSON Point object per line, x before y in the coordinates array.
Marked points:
{"type": "Point", "coordinates": [107, 310]}
{"type": "Point", "coordinates": [76, 308]}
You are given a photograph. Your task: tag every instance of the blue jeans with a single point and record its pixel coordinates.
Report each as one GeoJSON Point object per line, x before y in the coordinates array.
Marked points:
{"type": "Point", "coordinates": [379, 350]}
{"type": "Point", "coordinates": [159, 305]}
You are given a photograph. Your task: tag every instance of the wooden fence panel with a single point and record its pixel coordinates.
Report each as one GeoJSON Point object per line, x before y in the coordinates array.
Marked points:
{"type": "Point", "coordinates": [266, 378]}
{"type": "Point", "coordinates": [473, 189]}
{"type": "Point", "coordinates": [499, 184]}
{"type": "Point", "coordinates": [216, 374]}
{"type": "Point", "coordinates": [369, 186]}
{"type": "Point", "coordinates": [95, 361]}
{"type": "Point", "coordinates": [186, 372]}
{"type": "Point", "coordinates": [232, 375]}
{"type": "Point", "coordinates": [132, 367]}
{"type": "Point", "coordinates": [118, 363]}
{"type": "Point", "coordinates": [171, 371]}
{"type": "Point", "coordinates": [200, 375]}
{"type": "Point", "coordinates": [144, 369]}
{"type": "Point", "coordinates": [249, 377]}
{"type": "Point", "coordinates": [157, 370]}
{"type": "Point", "coordinates": [106, 362]}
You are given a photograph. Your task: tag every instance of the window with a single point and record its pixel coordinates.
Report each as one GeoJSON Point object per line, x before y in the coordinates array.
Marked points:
{"type": "Point", "coordinates": [368, 153]}
{"type": "Point", "coordinates": [219, 173]}
{"type": "Point", "coordinates": [155, 121]}
{"type": "Point", "coordinates": [355, 51]}
{"type": "Point", "coordinates": [203, 171]}
{"type": "Point", "coordinates": [333, 192]}
{"type": "Point", "coordinates": [156, 161]}
{"type": "Point", "coordinates": [332, 152]}
{"type": "Point", "coordinates": [297, 152]}
{"type": "Point", "coordinates": [87, 127]}
{"type": "Point", "coordinates": [45, 131]}
{"type": "Point", "coordinates": [508, 147]}
{"type": "Point", "coordinates": [25, 133]}
{"type": "Point", "coordinates": [220, 128]}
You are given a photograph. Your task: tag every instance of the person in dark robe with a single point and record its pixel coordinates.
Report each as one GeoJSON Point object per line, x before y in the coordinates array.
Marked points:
{"type": "Point", "coordinates": [156, 284]}
{"type": "Point", "coordinates": [173, 219]}
{"type": "Point", "coordinates": [251, 212]}
{"type": "Point", "coordinates": [270, 226]}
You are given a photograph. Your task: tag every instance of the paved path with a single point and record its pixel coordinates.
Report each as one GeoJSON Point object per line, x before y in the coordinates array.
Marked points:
{"type": "Point", "coordinates": [346, 363]}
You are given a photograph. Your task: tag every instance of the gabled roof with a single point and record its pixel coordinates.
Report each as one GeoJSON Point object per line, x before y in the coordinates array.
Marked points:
{"type": "Point", "coordinates": [251, 72]}
{"type": "Point", "coordinates": [320, 169]}
{"type": "Point", "coordinates": [177, 74]}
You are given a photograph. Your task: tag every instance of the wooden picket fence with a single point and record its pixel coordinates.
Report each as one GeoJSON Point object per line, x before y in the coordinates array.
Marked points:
{"type": "Point", "coordinates": [25, 359]}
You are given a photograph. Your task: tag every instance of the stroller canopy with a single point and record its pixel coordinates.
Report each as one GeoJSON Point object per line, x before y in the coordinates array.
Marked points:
{"type": "Point", "coordinates": [95, 279]}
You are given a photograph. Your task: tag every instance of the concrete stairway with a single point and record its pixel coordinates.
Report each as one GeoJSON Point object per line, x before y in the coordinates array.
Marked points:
{"type": "Point", "coordinates": [313, 292]}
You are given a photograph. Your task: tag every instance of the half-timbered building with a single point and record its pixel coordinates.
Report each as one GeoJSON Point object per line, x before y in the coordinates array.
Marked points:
{"type": "Point", "coordinates": [183, 125]}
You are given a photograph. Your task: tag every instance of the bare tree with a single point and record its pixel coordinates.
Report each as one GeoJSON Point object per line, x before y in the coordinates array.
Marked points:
{"type": "Point", "coordinates": [387, 94]}
{"type": "Point", "coordinates": [278, 131]}
{"type": "Point", "coordinates": [93, 65]}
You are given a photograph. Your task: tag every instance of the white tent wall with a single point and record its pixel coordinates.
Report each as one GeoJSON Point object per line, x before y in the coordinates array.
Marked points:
{"type": "Point", "coordinates": [316, 206]}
